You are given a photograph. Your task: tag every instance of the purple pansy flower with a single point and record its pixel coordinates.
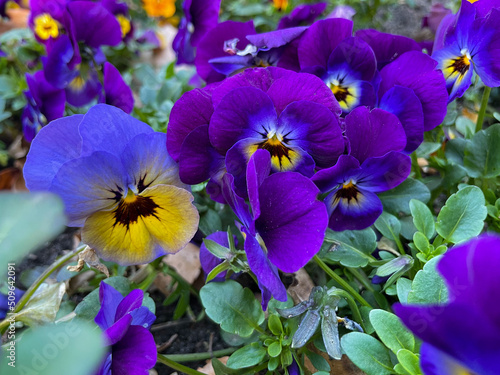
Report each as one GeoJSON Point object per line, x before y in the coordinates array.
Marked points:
{"type": "Point", "coordinates": [126, 325]}
{"type": "Point", "coordinates": [373, 165]}
{"type": "Point", "coordinates": [416, 71]}
{"type": "Point", "coordinates": [45, 103]}
{"type": "Point", "coordinates": [387, 47]}
{"type": "Point", "coordinates": [200, 16]}
{"type": "Point", "coordinates": [206, 142]}
{"type": "Point", "coordinates": [469, 43]}
{"type": "Point", "coordinates": [346, 64]}
{"type": "Point", "coordinates": [116, 92]}
{"type": "Point", "coordinates": [302, 15]}
{"type": "Point", "coordinates": [117, 181]}
{"type": "Point", "coordinates": [461, 336]}
{"type": "Point", "coordinates": [286, 226]}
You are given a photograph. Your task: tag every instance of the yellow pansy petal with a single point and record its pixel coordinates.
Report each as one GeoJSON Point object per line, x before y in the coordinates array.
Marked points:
{"type": "Point", "coordinates": [160, 220]}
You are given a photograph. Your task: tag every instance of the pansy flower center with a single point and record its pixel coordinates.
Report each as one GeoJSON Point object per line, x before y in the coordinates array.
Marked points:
{"type": "Point", "coordinates": [280, 5]}
{"type": "Point", "coordinates": [124, 24]}
{"type": "Point", "coordinates": [459, 65]}
{"type": "Point", "coordinates": [132, 207]}
{"type": "Point", "coordinates": [345, 95]}
{"type": "Point", "coordinates": [282, 156]}
{"type": "Point", "coordinates": [348, 192]}
{"type": "Point", "coordinates": [46, 27]}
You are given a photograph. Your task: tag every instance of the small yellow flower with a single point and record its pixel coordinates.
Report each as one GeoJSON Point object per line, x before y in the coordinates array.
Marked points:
{"type": "Point", "coordinates": [125, 25]}
{"type": "Point", "coordinates": [159, 8]}
{"type": "Point", "coordinates": [281, 5]}
{"type": "Point", "coordinates": [46, 27]}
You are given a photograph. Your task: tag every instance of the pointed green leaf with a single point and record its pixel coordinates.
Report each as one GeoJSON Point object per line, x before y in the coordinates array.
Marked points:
{"type": "Point", "coordinates": [350, 248]}
{"type": "Point", "coordinates": [422, 218]}
{"type": "Point", "coordinates": [428, 286]}
{"type": "Point", "coordinates": [249, 355]}
{"type": "Point", "coordinates": [482, 154]}
{"type": "Point", "coordinates": [397, 200]}
{"type": "Point", "coordinates": [389, 226]}
{"type": "Point", "coordinates": [409, 361]}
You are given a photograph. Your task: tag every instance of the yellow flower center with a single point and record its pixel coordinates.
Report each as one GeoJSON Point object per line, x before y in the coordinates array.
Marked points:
{"type": "Point", "coordinates": [130, 197]}
{"type": "Point", "coordinates": [77, 83]}
{"type": "Point", "coordinates": [159, 8]}
{"type": "Point", "coordinates": [46, 27]}
{"type": "Point", "coordinates": [124, 24]}
{"type": "Point", "coordinates": [345, 95]}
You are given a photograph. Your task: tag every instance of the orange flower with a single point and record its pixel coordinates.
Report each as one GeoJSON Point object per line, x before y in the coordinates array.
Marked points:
{"type": "Point", "coordinates": [159, 8]}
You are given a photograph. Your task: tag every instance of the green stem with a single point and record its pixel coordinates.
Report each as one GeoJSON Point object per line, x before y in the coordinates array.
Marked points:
{"type": "Point", "coordinates": [177, 366]}
{"type": "Point", "coordinates": [193, 357]}
{"type": "Point", "coordinates": [482, 110]}
{"type": "Point", "coordinates": [414, 163]}
{"type": "Point", "coordinates": [361, 277]}
{"type": "Point", "coordinates": [33, 288]}
{"type": "Point", "coordinates": [341, 281]}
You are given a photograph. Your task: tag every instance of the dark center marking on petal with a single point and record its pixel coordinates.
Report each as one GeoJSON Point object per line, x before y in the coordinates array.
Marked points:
{"type": "Point", "coordinates": [132, 207]}
{"type": "Point", "coordinates": [276, 148]}
{"type": "Point", "coordinates": [141, 185]}
{"type": "Point", "coordinates": [341, 92]}
{"type": "Point", "coordinates": [348, 191]}
{"type": "Point", "coordinates": [460, 65]}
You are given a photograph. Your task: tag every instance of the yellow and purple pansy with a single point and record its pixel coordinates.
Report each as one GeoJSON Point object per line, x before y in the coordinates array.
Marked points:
{"type": "Point", "coordinates": [117, 182]}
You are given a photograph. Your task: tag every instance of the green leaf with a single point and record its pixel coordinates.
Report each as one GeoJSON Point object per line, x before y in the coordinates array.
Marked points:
{"type": "Point", "coordinates": [352, 248]}
{"type": "Point", "coordinates": [74, 348]}
{"type": "Point", "coordinates": [247, 356]}
{"type": "Point", "coordinates": [234, 308]}
{"type": "Point", "coordinates": [389, 226]}
{"type": "Point", "coordinates": [366, 352]}
{"type": "Point", "coordinates": [482, 154]}
{"type": "Point", "coordinates": [41, 215]}
{"type": "Point", "coordinates": [224, 266]}
{"type": "Point", "coordinates": [403, 287]}
{"type": "Point", "coordinates": [319, 363]}
{"type": "Point", "coordinates": [210, 222]}
{"type": "Point", "coordinates": [462, 217]}
{"type": "Point", "coordinates": [465, 126]}
{"type": "Point", "coordinates": [428, 286]}
{"type": "Point", "coordinates": [274, 349]}
{"type": "Point", "coordinates": [421, 242]}
{"type": "Point", "coordinates": [43, 305]}
{"type": "Point", "coordinates": [398, 199]}
{"type": "Point", "coordinates": [409, 361]}
{"type": "Point", "coordinates": [216, 249]}
{"type": "Point", "coordinates": [274, 324]}
{"type": "Point", "coordinates": [222, 369]}
{"type": "Point", "coordinates": [391, 331]}
{"type": "Point", "coordinates": [455, 150]}
{"type": "Point", "coordinates": [422, 218]}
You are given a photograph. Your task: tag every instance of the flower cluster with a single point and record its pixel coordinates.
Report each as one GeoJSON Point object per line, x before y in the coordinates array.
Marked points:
{"type": "Point", "coordinates": [117, 182]}
{"type": "Point", "coordinates": [75, 70]}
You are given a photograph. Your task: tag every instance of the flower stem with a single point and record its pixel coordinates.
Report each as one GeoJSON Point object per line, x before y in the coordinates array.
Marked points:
{"type": "Point", "coordinates": [177, 366]}
{"type": "Point", "coordinates": [414, 164]}
{"type": "Point", "coordinates": [482, 110]}
{"type": "Point", "coordinates": [341, 281]}
{"type": "Point", "coordinates": [33, 288]}
{"type": "Point", "coordinates": [196, 356]}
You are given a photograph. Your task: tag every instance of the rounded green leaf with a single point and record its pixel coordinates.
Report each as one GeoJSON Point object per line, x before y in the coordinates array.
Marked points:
{"type": "Point", "coordinates": [352, 248]}
{"type": "Point", "coordinates": [428, 286]}
{"type": "Point", "coordinates": [27, 220]}
{"type": "Point", "coordinates": [462, 217]}
{"type": "Point", "coordinates": [274, 349]}
{"type": "Point", "coordinates": [234, 308]}
{"type": "Point", "coordinates": [391, 331]}
{"type": "Point", "coordinates": [274, 324]}
{"type": "Point", "coordinates": [74, 348]}
{"type": "Point", "coordinates": [366, 352]}
{"type": "Point", "coordinates": [409, 361]}
{"type": "Point", "coordinates": [389, 226]}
